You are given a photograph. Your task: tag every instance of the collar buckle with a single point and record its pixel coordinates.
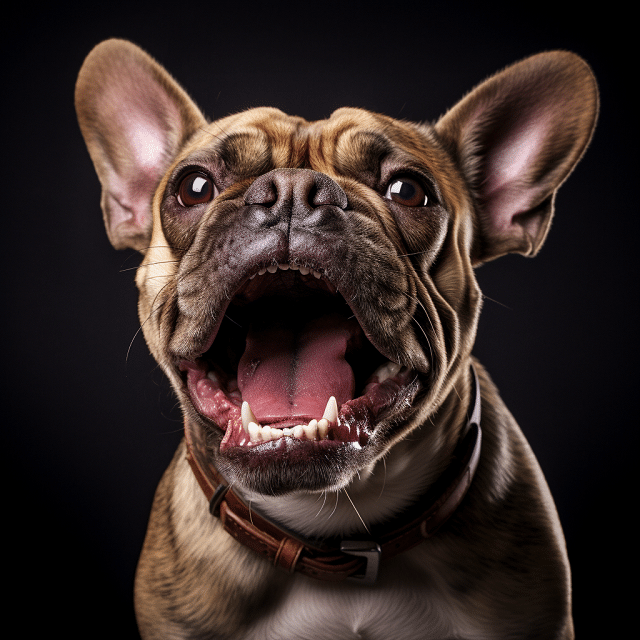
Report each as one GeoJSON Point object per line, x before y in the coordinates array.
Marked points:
{"type": "Point", "coordinates": [368, 550]}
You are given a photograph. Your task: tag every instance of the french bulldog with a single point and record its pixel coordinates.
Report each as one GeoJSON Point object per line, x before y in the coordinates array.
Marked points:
{"type": "Point", "coordinates": [348, 468]}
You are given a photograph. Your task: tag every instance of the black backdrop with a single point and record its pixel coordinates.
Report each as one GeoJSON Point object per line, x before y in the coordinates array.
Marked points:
{"type": "Point", "coordinates": [90, 424]}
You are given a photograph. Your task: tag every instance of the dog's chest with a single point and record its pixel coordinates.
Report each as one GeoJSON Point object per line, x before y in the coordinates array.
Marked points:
{"type": "Point", "coordinates": [398, 608]}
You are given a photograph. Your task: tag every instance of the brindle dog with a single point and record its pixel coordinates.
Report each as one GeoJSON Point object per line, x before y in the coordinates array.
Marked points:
{"type": "Point", "coordinates": [309, 290]}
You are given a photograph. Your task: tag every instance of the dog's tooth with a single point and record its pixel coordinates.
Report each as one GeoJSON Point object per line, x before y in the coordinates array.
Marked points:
{"type": "Point", "coordinates": [317, 274]}
{"type": "Point", "coordinates": [331, 411]}
{"type": "Point", "coordinates": [305, 271]}
{"type": "Point", "coordinates": [298, 431]}
{"type": "Point", "coordinates": [262, 272]}
{"type": "Point", "coordinates": [283, 267]}
{"type": "Point", "coordinates": [386, 371]}
{"type": "Point", "coordinates": [272, 268]}
{"type": "Point", "coordinates": [247, 416]}
{"type": "Point", "coordinates": [323, 429]}
{"type": "Point", "coordinates": [311, 430]}
{"type": "Point", "coordinates": [255, 432]}
{"type": "Point", "coordinates": [213, 377]}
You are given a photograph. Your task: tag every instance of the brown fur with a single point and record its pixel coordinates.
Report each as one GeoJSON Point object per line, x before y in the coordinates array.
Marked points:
{"type": "Point", "coordinates": [492, 165]}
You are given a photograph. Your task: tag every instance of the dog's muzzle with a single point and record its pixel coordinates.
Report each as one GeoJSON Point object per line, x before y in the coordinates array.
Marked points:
{"type": "Point", "coordinates": [290, 361]}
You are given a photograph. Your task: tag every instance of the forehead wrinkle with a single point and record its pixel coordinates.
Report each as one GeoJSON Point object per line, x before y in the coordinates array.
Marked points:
{"type": "Point", "coordinates": [286, 138]}
{"type": "Point", "coordinates": [245, 153]}
{"type": "Point", "coordinates": [361, 151]}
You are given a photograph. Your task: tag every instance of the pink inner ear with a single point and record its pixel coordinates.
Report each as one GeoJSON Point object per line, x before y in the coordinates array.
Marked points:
{"type": "Point", "coordinates": [140, 128]}
{"type": "Point", "coordinates": [509, 187]}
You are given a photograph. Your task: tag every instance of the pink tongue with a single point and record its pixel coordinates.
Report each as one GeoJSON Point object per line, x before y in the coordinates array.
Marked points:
{"type": "Point", "coordinates": [290, 369]}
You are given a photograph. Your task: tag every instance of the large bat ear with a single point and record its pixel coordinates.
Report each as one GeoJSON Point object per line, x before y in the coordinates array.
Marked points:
{"type": "Point", "coordinates": [134, 118]}
{"type": "Point", "coordinates": [516, 137]}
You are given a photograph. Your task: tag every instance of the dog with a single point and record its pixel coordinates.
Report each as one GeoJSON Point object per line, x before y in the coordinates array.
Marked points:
{"type": "Point", "coordinates": [348, 469]}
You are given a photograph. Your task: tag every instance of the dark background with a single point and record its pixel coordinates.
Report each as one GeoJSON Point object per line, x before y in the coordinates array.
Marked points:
{"type": "Point", "coordinates": [90, 424]}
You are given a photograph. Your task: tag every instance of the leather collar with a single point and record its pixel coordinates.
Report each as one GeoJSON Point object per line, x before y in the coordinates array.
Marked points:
{"type": "Point", "coordinates": [338, 559]}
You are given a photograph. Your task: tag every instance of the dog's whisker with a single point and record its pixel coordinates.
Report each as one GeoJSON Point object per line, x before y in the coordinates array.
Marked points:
{"type": "Point", "coordinates": [324, 501]}
{"type": "Point", "coordinates": [228, 317]}
{"type": "Point", "coordinates": [364, 524]}
{"type": "Point", "coordinates": [506, 306]}
{"type": "Point", "coordinates": [384, 477]}
{"type": "Point", "coordinates": [335, 506]}
{"type": "Point", "coordinates": [415, 253]}
{"type": "Point", "coordinates": [151, 264]}
{"type": "Point", "coordinates": [153, 311]}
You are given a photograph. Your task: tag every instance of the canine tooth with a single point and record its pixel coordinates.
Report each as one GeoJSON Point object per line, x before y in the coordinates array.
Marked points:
{"type": "Point", "coordinates": [247, 416]}
{"type": "Point", "coordinates": [255, 432]}
{"type": "Point", "coordinates": [213, 377]}
{"type": "Point", "coordinates": [317, 274]}
{"type": "Point", "coordinates": [331, 411]}
{"type": "Point", "coordinates": [323, 429]}
{"type": "Point", "coordinates": [262, 272]}
{"type": "Point", "coordinates": [272, 268]}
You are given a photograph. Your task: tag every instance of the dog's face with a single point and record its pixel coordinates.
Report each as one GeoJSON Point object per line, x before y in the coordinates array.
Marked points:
{"type": "Point", "coordinates": [288, 263]}
{"type": "Point", "coordinates": [304, 252]}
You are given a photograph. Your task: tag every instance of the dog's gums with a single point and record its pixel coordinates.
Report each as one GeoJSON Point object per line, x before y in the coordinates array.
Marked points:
{"type": "Point", "coordinates": [280, 369]}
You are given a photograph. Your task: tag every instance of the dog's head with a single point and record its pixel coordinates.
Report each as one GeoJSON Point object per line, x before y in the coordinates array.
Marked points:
{"type": "Point", "coordinates": [288, 263]}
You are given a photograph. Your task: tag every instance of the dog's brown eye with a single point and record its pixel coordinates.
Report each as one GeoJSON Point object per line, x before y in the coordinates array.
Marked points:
{"type": "Point", "coordinates": [195, 188]}
{"type": "Point", "coordinates": [406, 191]}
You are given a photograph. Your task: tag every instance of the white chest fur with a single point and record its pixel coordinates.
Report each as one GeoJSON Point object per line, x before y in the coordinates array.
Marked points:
{"type": "Point", "coordinates": [396, 607]}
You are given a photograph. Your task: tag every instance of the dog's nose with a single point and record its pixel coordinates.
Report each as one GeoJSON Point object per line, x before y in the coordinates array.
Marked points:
{"type": "Point", "coordinates": [283, 194]}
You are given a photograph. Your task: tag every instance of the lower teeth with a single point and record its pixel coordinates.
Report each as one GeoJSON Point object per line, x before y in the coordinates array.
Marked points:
{"type": "Point", "coordinates": [315, 430]}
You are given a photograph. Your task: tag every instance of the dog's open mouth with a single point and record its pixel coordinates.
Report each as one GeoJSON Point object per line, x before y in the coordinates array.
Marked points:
{"type": "Point", "coordinates": [291, 363]}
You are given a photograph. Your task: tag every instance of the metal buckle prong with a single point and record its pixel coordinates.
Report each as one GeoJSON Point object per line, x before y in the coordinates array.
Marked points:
{"type": "Point", "coordinates": [368, 550]}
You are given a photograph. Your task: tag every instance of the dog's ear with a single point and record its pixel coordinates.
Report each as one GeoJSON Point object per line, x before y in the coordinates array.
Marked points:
{"type": "Point", "coordinates": [134, 117]}
{"type": "Point", "coordinates": [516, 137]}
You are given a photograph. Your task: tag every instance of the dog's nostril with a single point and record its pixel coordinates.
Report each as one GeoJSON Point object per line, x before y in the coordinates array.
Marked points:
{"type": "Point", "coordinates": [262, 192]}
{"type": "Point", "coordinates": [327, 192]}
{"type": "Point", "coordinates": [296, 188]}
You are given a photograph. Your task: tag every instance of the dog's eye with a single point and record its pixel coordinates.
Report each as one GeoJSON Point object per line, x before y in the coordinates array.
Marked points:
{"type": "Point", "coordinates": [406, 191]}
{"type": "Point", "coordinates": [195, 188]}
